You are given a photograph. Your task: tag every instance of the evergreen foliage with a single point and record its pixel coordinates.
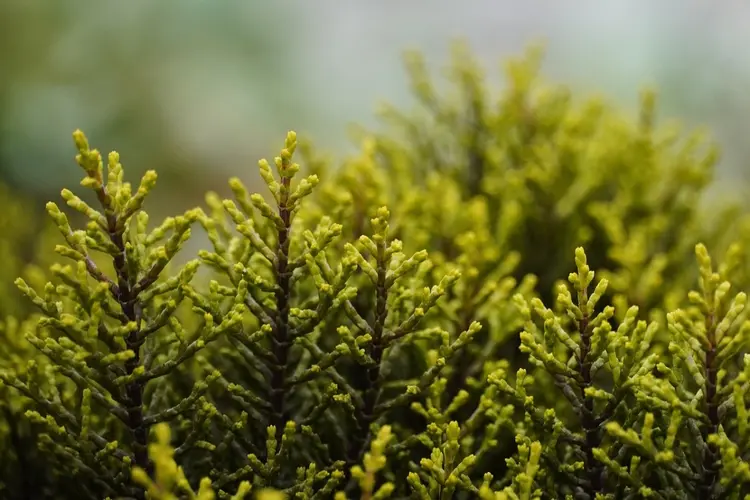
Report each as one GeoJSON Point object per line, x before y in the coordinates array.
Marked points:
{"type": "Point", "coordinates": [421, 321]}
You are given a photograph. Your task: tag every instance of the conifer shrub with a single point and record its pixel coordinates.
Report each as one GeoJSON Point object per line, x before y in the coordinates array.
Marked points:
{"type": "Point", "coordinates": [500, 296]}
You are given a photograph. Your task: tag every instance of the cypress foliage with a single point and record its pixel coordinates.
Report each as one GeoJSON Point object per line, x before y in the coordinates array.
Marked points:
{"type": "Point", "coordinates": [500, 296]}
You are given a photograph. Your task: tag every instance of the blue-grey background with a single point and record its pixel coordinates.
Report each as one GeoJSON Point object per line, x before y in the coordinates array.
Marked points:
{"type": "Point", "coordinates": [200, 89]}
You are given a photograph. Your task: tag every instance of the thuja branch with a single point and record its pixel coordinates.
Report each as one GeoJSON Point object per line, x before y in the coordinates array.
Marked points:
{"type": "Point", "coordinates": [115, 224]}
{"type": "Point", "coordinates": [574, 345]}
{"type": "Point", "coordinates": [268, 272]}
{"type": "Point", "coordinates": [589, 420]}
{"type": "Point", "coordinates": [707, 344]}
{"type": "Point", "coordinates": [374, 350]}
{"type": "Point", "coordinates": [391, 267]}
{"type": "Point", "coordinates": [96, 333]}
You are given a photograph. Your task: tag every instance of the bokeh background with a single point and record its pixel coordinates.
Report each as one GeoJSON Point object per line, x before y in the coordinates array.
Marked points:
{"type": "Point", "coordinates": [199, 89]}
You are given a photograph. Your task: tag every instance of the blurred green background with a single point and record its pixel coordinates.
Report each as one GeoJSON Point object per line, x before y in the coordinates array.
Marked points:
{"type": "Point", "coordinates": [199, 89]}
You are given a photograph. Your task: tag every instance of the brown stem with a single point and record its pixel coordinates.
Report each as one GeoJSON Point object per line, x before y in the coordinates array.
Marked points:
{"type": "Point", "coordinates": [128, 300]}
{"type": "Point", "coordinates": [588, 418]}
{"type": "Point", "coordinates": [372, 378]}
{"type": "Point", "coordinates": [280, 339]}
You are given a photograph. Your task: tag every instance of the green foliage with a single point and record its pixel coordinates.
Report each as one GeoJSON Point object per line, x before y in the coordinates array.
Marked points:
{"type": "Point", "coordinates": [399, 326]}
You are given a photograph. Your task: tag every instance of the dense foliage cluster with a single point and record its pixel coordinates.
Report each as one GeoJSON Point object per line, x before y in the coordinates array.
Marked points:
{"type": "Point", "coordinates": [420, 321]}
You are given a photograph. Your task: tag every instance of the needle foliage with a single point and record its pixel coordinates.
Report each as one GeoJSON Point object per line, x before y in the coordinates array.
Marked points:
{"type": "Point", "coordinates": [504, 294]}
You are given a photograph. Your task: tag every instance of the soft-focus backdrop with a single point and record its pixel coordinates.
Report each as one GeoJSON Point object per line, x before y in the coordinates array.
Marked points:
{"type": "Point", "coordinates": [199, 89]}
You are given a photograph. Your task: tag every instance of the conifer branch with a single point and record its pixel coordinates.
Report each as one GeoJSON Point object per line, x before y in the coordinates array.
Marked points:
{"type": "Point", "coordinates": [324, 357]}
